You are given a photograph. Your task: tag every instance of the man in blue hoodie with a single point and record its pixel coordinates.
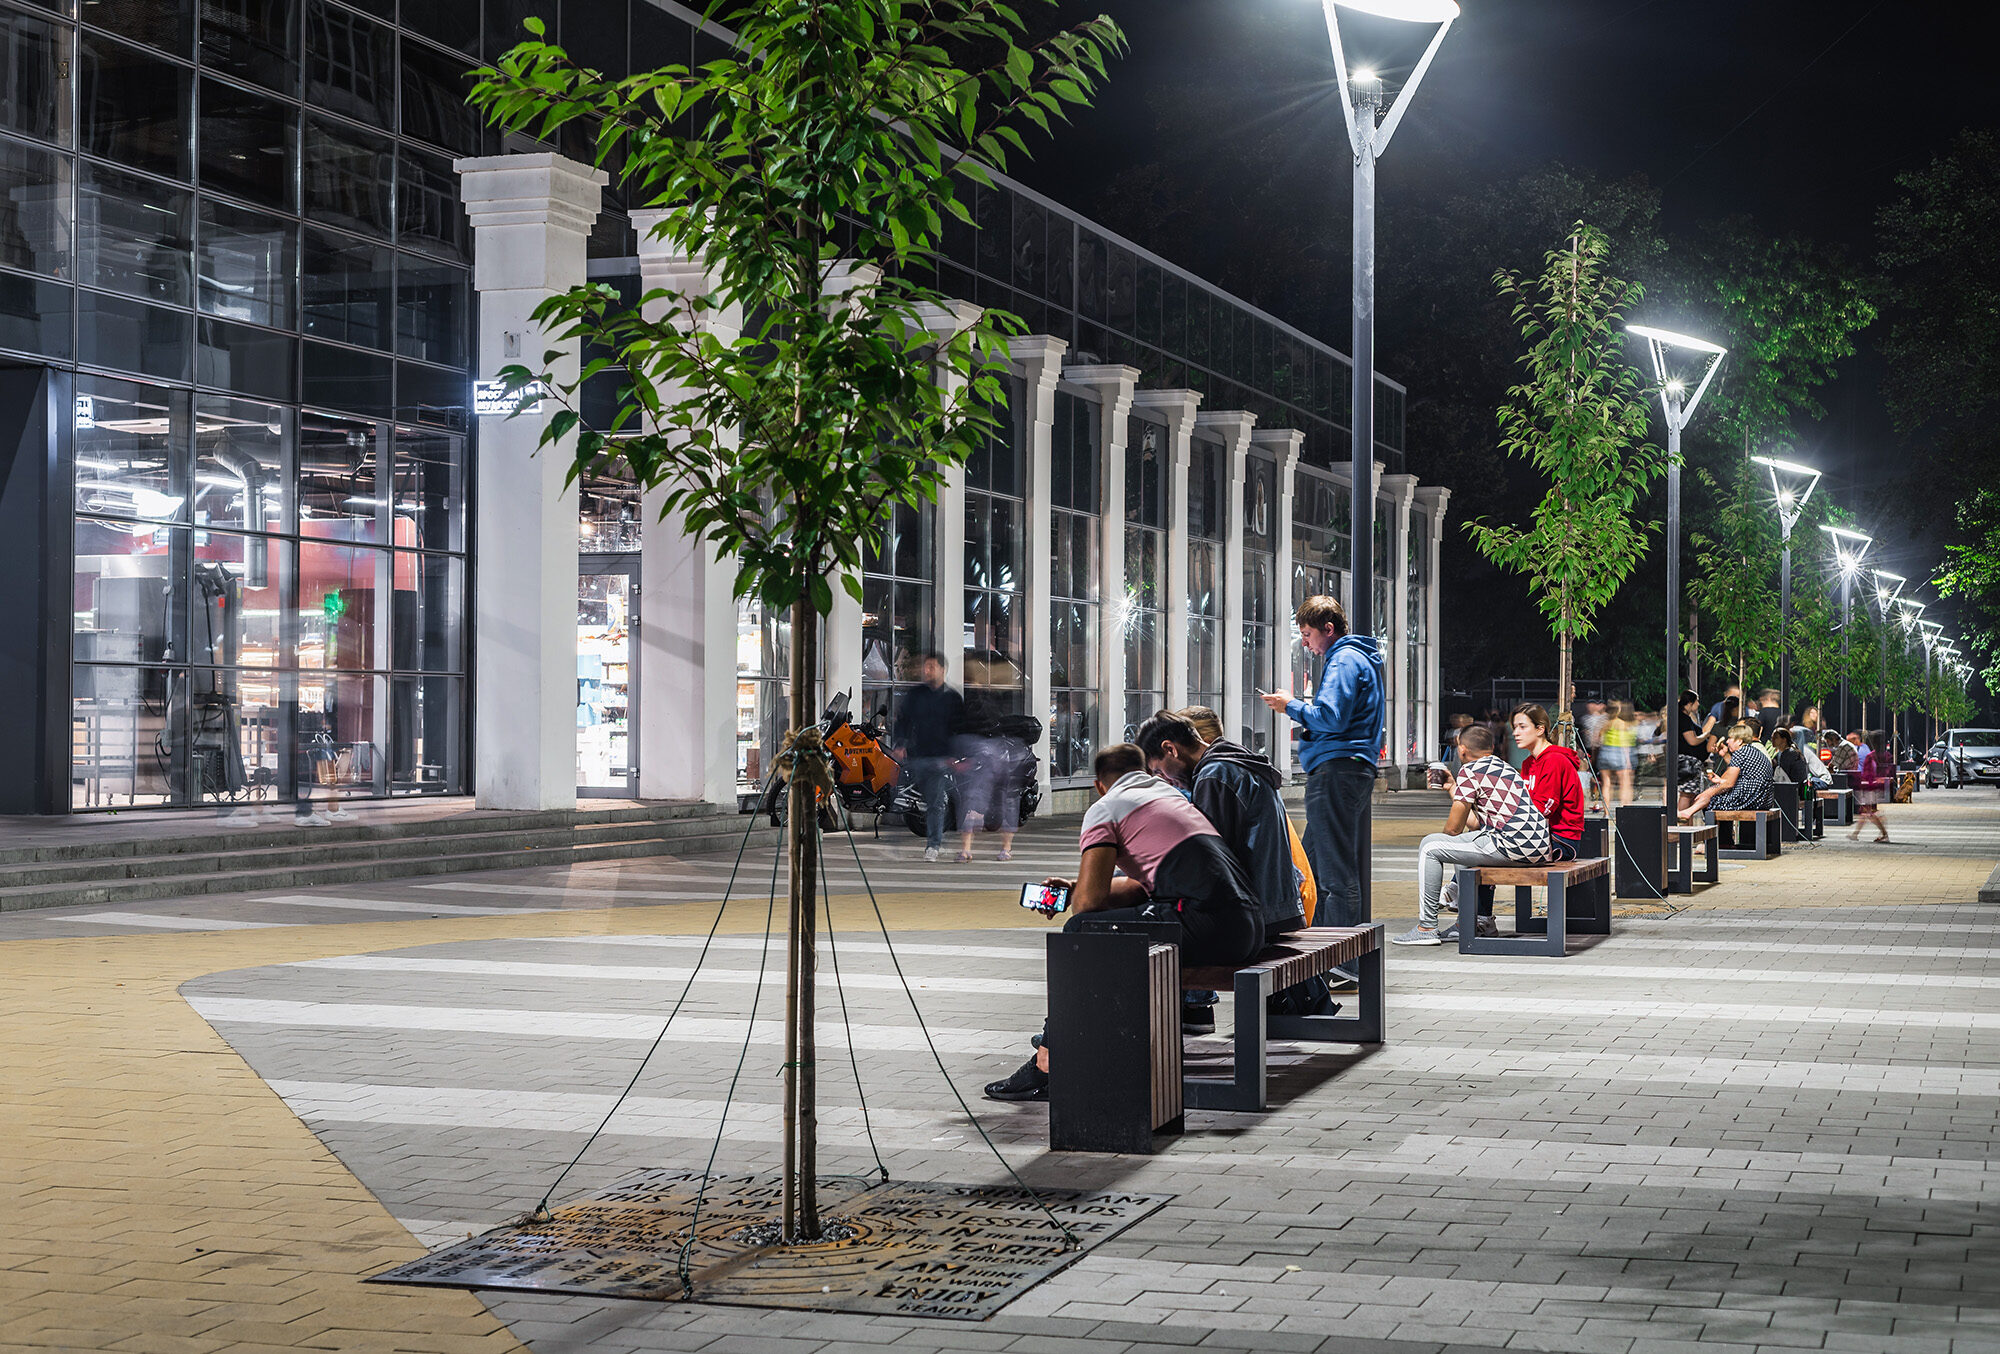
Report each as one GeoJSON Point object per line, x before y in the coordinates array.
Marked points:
{"type": "Point", "coordinates": [1340, 740]}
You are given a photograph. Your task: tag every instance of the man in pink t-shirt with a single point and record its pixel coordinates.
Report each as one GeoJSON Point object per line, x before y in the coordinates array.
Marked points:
{"type": "Point", "coordinates": [1174, 868]}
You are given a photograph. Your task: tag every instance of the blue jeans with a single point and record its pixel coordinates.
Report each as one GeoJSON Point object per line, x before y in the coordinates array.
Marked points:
{"type": "Point", "coordinates": [932, 777]}
{"type": "Point", "coordinates": [1336, 794]}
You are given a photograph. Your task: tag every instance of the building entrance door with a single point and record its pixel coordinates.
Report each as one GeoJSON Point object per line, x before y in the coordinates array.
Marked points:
{"type": "Point", "coordinates": [607, 676]}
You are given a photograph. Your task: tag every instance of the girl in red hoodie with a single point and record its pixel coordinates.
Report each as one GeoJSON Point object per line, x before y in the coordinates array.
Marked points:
{"type": "Point", "coordinates": [1553, 781]}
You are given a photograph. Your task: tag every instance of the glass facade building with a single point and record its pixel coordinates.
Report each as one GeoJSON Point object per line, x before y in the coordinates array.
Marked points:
{"type": "Point", "coordinates": [238, 338]}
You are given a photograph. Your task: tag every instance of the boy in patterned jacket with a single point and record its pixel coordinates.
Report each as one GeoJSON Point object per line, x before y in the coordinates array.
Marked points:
{"type": "Point", "coordinates": [1511, 831]}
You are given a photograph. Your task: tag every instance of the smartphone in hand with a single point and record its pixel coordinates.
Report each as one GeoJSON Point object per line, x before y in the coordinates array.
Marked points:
{"type": "Point", "coordinates": [1045, 899]}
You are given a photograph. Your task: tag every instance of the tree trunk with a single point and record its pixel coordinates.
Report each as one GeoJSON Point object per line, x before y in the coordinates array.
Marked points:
{"type": "Point", "coordinates": [801, 1207]}
{"type": "Point", "coordinates": [1694, 653]}
{"type": "Point", "coordinates": [1565, 707]}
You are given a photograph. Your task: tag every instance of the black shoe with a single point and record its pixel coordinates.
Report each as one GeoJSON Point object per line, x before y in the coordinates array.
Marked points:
{"type": "Point", "coordinates": [1340, 980]}
{"type": "Point", "coordinates": [1029, 1082]}
{"type": "Point", "coordinates": [1486, 927]}
{"type": "Point", "coordinates": [1198, 1019]}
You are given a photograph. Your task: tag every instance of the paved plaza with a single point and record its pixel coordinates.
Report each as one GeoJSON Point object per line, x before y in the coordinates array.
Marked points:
{"type": "Point", "coordinates": [1766, 1122]}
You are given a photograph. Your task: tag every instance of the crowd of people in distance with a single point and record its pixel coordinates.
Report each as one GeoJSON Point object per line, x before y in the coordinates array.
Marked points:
{"type": "Point", "coordinates": [1189, 828]}
{"type": "Point", "coordinates": [1731, 758]}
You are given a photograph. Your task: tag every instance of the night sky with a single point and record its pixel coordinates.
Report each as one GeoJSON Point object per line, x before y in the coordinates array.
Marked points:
{"type": "Point", "coordinates": [1796, 115]}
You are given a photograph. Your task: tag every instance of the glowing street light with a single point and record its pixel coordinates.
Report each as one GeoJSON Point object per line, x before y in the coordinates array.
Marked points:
{"type": "Point", "coordinates": [1791, 485]}
{"type": "Point", "coordinates": [1888, 587]}
{"type": "Point", "coordinates": [1679, 407]}
{"type": "Point", "coordinates": [1849, 548]}
{"type": "Point", "coordinates": [1360, 105]}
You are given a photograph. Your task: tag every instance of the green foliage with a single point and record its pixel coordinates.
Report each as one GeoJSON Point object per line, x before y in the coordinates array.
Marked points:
{"type": "Point", "coordinates": [1580, 418]}
{"type": "Point", "coordinates": [1971, 573]}
{"type": "Point", "coordinates": [1952, 704]}
{"type": "Point", "coordinates": [847, 138]}
{"type": "Point", "coordinates": [1736, 576]}
{"type": "Point", "coordinates": [1815, 630]}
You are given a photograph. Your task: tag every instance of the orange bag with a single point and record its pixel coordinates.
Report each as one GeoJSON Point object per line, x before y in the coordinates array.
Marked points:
{"type": "Point", "coordinates": [1308, 889]}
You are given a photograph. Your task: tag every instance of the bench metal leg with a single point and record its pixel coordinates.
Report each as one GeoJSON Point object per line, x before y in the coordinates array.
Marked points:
{"type": "Point", "coordinates": [1680, 878]}
{"type": "Point", "coordinates": [1368, 1024]}
{"type": "Point", "coordinates": [1711, 871]}
{"type": "Point", "coordinates": [1763, 842]}
{"type": "Point", "coordinates": [1535, 936]}
{"type": "Point", "coordinates": [1245, 1089]}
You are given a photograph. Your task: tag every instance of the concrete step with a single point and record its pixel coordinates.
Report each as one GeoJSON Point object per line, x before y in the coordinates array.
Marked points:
{"type": "Point", "coordinates": [374, 857]}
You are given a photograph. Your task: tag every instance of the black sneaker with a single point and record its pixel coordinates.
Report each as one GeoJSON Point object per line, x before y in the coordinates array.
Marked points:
{"type": "Point", "coordinates": [1198, 1019]}
{"type": "Point", "coordinates": [1029, 1082]}
{"type": "Point", "coordinates": [1340, 980]}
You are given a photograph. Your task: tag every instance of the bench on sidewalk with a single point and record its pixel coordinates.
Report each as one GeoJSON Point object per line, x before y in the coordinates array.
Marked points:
{"type": "Point", "coordinates": [1795, 811]}
{"type": "Point", "coordinates": [1765, 842]}
{"type": "Point", "coordinates": [1579, 900]}
{"type": "Point", "coordinates": [1835, 806]}
{"type": "Point", "coordinates": [1116, 1075]}
{"type": "Point", "coordinates": [1287, 962]}
{"type": "Point", "coordinates": [1685, 837]}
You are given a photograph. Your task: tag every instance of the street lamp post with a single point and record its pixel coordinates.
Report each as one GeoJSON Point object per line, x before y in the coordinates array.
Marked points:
{"type": "Point", "coordinates": [1679, 407]}
{"type": "Point", "coordinates": [1848, 549]}
{"type": "Point", "coordinates": [1913, 611]}
{"type": "Point", "coordinates": [1791, 485]}
{"type": "Point", "coordinates": [1885, 602]}
{"type": "Point", "coordinates": [1361, 106]}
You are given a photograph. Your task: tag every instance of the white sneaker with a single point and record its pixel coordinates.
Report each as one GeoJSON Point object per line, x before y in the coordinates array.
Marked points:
{"type": "Point", "coordinates": [930, 853]}
{"type": "Point", "coordinates": [314, 820]}
{"type": "Point", "coordinates": [1448, 896]}
{"type": "Point", "coordinates": [339, 815]}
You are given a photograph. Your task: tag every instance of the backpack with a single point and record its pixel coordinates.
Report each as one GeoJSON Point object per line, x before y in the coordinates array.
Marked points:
{"type": "Point", "coordinates": [1302, 870]}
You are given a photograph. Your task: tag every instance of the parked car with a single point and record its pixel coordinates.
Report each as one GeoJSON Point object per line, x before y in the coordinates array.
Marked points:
{"type": "Point", "coordinates": [1934, 766]}
{"type": "Point", "coordinates": [1971, 757]}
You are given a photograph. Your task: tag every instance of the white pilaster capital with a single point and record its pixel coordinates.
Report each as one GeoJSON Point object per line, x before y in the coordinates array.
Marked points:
{"type": "Point", "coordinates": [952, 319]}
{"type": "Point", "coordinates": [1176, 406]}
{"type": "Point", "coordinates": [1114, 382]}
{"type": "Point", "coordinates": [1434, 499]}
{"type": "Point", "coordinates": [531, 215]}
{"type": "Point", "coordinates": [1400, 488]}
{"type": "Point", "coordinates": [1039, 356]}
{"type": "Point", "coordinates": [1285, 444]}
{"type": "Point", "coordinates": [1228, 424]}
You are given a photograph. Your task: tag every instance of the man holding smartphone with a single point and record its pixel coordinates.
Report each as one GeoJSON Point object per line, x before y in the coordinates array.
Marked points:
{"type": "Point", "coordinates": [1174, 868]}
{"type": "Point", "coordinates": [1340, 740]}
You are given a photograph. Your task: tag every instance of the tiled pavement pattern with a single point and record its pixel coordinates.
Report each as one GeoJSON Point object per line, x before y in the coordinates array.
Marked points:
{"type": "Point", "coordinates": [1765, 1123]}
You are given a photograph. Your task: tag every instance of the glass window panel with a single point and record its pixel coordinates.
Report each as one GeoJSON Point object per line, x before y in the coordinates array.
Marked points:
{"type": "Point", "coordinates": [341, 723]}
{"type": "Point", "coordinates": [348, 286]}
{"type": "Point", "coordinates": [256, 41]}
{"type": "Point", "coordinates": [242, 475]}
{"type": "Point", "coordinates": [432, 303]}
{"type": "Point", "coordinates": [133, 235]}
{"type": "Point", "coordinates": [131, 450]}
{"type": "Point", "coordinates": [248, 145]}
{"type": "Point", "coordinates": [432, 396]}
{"type": "Point", "coordinates": [348, 174]}
{"type": "Point", "coordinates": [34, 100]}
{"type": "Point", "coordinates": [450, 22]}
{"type": "Point", "coordinates": [1145, 473]}
{"type": "Point", "coordinates": [35, 317]}
{"type": "Point", "coordinates": [1143, 550]}
{"type": "Point", "coordinates": [338, 460]}
{"type": "Point", "coordinates": [428, 212]}
{"type": "Point", "coordinates": [607, 500]}
{"type": "Point", "coordinates": [878, 634]}
{"type": "Point", "coordinates": [166, 24]}
{"type": "Point", "coordinates": [134, 108]}
{"type": "Point", "coordinates": [1008, 535]}
{"type": "Point", "coordinates": [1123, 290]}
{"type": "Point", "coordinates": [34, 210]}
{"type": "Point", "coordinates": [236, 595]}
{"type": "Point", "coordinates": [241, 358]}
{"type": "Point", "coordinates": [338, 588]}
{"type": "Point", "coordinates": [978, 543]}
{"type": "Point", "coordinates": [1092, 275]}
{"type": "Point", "coordinates": [130, 592]}
{"type": "Point", "coordinates": [341, 378]}
{"type": "Point", "coordinates": [430, 492]}
{"type": "Point", "coordinates": [435, 85]}
{"type": "Point", "coordinates": [350, 65]}
{"type": "Point", "coordinates": [1204, 565]}
{"type": "Point", "coordinates": [127, 336]}
{"type": "Point", "coordinates": [238, 725]}
{"type": "Point", "coordinates": [1072, 733]}
{"type": "Point", "coordinates": [248, 265]}
{"type": "Point", "coordinates": [425, 742]}
{"type": "Point", "coordinates": [429, 604]}
{"type": "Point", "coordinates": [118, 724]}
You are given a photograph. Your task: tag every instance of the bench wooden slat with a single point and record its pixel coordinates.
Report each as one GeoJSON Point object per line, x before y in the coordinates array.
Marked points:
{"type": "Point", "coordinates": [1528, 876]}
{"type": "Point", "coordinates": [1739, 815]}
{"type": "Point", "coordinates": [1292, 959]}
{"type": "Point", "coordinates": [1699, 832]}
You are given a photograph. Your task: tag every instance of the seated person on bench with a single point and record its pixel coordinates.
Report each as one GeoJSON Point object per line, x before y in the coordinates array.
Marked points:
{"type": "Point", "coordinates": [1553, 781]}
{"type": "Point", "coordinates": [1176, 869]}
{"type": "Point", "coordinates": [1747, 782]}
{"type": "Point", "coordinates": [1793, 764]}
{"type": "Point", "coordinates": [1512, 831]}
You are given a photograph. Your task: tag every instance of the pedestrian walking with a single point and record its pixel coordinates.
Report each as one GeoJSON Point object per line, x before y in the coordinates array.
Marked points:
{"type": "Point", "coordinates": [927, 721]}
{"type": "Point", "coordinates": [1870, 759]}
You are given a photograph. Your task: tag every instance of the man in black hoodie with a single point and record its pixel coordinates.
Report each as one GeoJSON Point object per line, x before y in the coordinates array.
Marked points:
{"type": "Point", "coordinates": [1237, 791]}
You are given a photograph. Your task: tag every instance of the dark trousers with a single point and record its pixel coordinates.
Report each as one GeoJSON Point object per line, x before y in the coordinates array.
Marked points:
{"type": "Point", "coordinates": [1336, 794]}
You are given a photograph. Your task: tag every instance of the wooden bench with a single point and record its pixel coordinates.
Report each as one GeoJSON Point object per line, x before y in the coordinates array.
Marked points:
{"type": "Point", "coordinates": [1115, 1014]}
{"type": "Point", "coordinates": [1834, 806]}
{"type": "Point", "coordinates": [1285, 963]}
{"type": "Point", "coordinates": [1587, 912]}
{"type": "Point", "coordinates": [1795, 811]}
{"type": "Point", "coordinates": [1685, 837]}
{"type": "Point", "coordinates": [1766, 842]}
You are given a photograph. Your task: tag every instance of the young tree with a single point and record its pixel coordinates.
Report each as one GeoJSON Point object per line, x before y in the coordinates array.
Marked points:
{"type": "Point", "coordinates": [1971, 573]}
{"type": "Point", "coordinates": [1734, 585]}
{"type": "Point", "coordinates": [811, 173]}
{"type": "Point", "coordinates": [1580, 418]}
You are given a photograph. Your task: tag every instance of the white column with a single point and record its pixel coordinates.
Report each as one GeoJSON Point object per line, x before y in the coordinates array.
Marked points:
{"type": "Point", "coordinates": [1395, 505]}
{"type": "Point", "coordinates": [1115, 386]}
{"type": "Point", "coordinates": [1284, 444]}
{"type": "Point", "coordinates": [531, 215]}
{"type": "Point", "coordinates": [1038, 362]}
{"type": "Point", "coordinates": [948, 567]}
{"type": "Point", "coordinates": [1178, 408]}
{"type": "Point", "coordinates": [1433, 500]}
{"type": "Point", "coordinates": [687, 608]}
{"type": "Point", "coordinates": [1234, 427]}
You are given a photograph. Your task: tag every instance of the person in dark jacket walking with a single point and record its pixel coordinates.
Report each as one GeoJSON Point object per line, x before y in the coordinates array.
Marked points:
{"type": "Point", "coordinates": [928, 719]}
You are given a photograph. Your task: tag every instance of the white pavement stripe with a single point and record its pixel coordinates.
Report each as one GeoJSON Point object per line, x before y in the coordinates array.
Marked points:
{"type": "Point", "coordinates": [1661, 1011]}
{"type": "Point", "coordinates": [1029, 953]}
{"type": "Point", "coordinates": [491, 1021]}
{"type": "Point", "coordinates": [159, 923]}
{"type": "Point", "coordinates": [1778, 946]}
{"type": "Point", "coordinates": [646, 973]}
{"type": "Point", "coordinates": [388, 905]}
{"type": "Point", "coordinates": [1467, 974]}
{"type": "Point", "coordinates": [1422, 1155]}
{"type": "Point", "coordinates": [1870, 1079]}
